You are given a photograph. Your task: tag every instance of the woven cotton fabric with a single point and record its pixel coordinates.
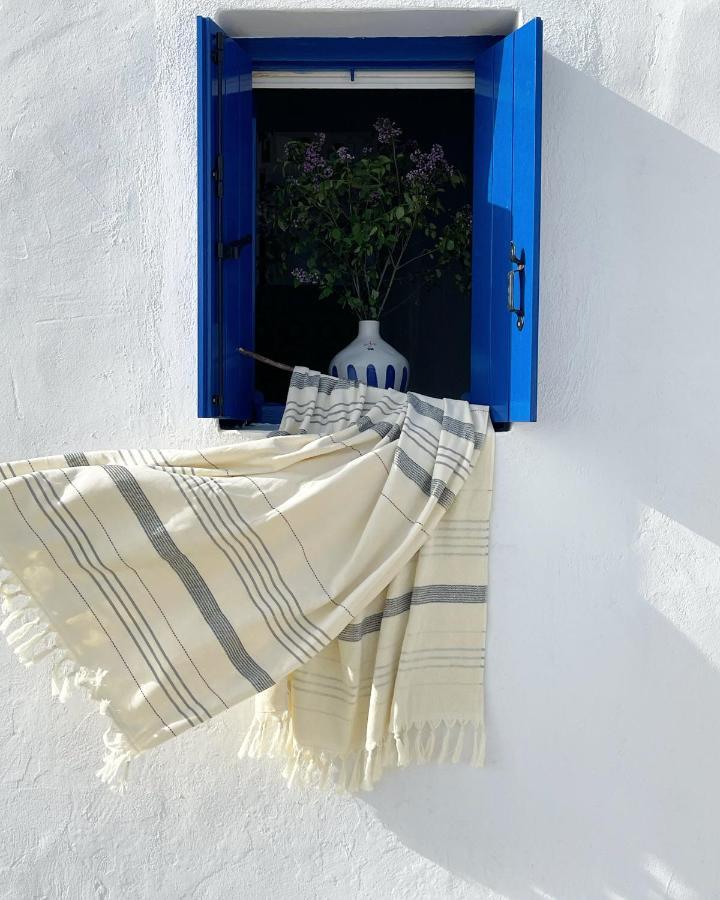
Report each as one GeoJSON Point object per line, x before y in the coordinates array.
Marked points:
{"type": "Point", "coordinates": [335, 570]}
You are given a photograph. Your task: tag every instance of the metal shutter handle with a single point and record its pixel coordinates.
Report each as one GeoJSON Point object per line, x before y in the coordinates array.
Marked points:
{"type": "Point", "coordinates": [515, 261]}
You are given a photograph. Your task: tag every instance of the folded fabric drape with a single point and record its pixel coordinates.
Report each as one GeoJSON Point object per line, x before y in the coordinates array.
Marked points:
{"type": "Point", "coordinates": [336, 570]}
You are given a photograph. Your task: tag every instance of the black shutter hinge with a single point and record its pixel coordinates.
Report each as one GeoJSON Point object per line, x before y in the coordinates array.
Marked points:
{"type": "Point", "coordinates": [217, 174]}
{"type": "Point", "coordinates": [217, 52]}
{"type": "Point", "coordinates": [232, 249]}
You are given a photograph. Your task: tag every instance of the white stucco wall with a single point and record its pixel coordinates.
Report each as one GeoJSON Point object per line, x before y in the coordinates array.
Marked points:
{"type": "Point", "coordinates": [604, 645]}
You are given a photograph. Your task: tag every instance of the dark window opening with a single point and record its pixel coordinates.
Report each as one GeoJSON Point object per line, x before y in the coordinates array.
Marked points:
{"type": "Point", "coordinates": [430, 325]}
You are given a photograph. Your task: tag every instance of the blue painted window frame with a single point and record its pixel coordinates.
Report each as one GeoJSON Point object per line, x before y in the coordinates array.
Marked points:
{"type": "Point", "coordinates": [506, 203]}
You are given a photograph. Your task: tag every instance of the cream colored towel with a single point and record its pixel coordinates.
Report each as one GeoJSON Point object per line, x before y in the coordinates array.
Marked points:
{"type": "Point", "coordinates": [336, 569]}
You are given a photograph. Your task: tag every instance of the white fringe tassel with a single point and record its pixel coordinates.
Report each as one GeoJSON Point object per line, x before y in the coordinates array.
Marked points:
{"type": "Point", "coordinates": [271, 736]}
{"type": "Point", "coordinates": [30, 635]}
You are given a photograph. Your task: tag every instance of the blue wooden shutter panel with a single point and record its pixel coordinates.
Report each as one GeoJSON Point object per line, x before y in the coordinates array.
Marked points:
{"type": "Point", "coordinates": [506, 208]}
{"type": "Point", "coordinates": [527, 115]}
{"type": "Point", "coordinates": [226, 219]}
{"type": "Point", "coordinates": [208, 385]}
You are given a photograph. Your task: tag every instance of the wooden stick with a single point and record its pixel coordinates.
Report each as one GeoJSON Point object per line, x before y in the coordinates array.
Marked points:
{"type": "Point", "coordinates": [265, 359]}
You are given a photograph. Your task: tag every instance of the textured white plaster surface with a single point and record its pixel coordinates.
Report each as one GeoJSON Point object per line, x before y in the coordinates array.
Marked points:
{"type": "Point", "coordinates": [604, 652]}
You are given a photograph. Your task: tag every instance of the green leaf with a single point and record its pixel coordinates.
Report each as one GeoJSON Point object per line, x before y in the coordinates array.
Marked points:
{"type": "Point", "coordinates": [346, 234]}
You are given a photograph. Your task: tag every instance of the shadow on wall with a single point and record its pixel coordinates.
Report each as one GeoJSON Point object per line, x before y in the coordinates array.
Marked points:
{"type": "Point", "coordinates": [602, 777]}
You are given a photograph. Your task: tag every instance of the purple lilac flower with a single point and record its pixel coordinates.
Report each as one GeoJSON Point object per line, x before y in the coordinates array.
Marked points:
{"type": "Point", "coordinates": [314, 162]}
{"type": "Point", "coordinates": [386, 130]}
{"type": "Point", "coordinates": [426, 165]}
{"type": "Point", "coordinates": [305, 277]}
{"type": "Point", "coordinates": [344, 155]}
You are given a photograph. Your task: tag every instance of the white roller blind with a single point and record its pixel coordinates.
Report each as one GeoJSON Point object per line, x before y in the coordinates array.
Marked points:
{"type": "Point", "coordinates": [391, 79]}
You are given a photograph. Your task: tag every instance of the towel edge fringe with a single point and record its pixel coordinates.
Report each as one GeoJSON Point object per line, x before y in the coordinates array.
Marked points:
{"type": "Point", "coordinates": [448, 740]}
{"type": "Point", "coordinates": [34, 638]}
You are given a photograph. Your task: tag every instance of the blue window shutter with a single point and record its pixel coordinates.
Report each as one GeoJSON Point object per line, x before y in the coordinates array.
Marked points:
{"type": "Point", "coordinates": [226, 224]}
{"type": "Point", "coordinates": [506, 208]}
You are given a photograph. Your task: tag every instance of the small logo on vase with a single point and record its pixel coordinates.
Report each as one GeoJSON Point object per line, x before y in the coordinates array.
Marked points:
{"type": "Point", "coordinates": [369, 345]}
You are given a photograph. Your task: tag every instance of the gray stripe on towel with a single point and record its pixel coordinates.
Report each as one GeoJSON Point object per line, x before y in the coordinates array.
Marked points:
{"type": "Point", "coordinates": [193, 581]}
{"type": "Point", "coordinates": [432, 487]}
{"type": "Point", "coordinates": [74, 460]}
{"type": "Point", "coordinates": [431, 593]}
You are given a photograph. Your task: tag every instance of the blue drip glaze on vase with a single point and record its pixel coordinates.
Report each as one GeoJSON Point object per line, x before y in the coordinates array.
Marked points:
{"type": "Point", "coordinates": [372, 360]}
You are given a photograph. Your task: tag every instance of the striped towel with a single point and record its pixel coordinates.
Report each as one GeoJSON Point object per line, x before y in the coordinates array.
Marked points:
{"type": "Point", "coordinates": [335, 571]}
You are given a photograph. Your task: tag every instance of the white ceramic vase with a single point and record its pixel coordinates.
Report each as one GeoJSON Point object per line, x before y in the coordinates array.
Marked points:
{"type": "Point", "coordinates": [371, 360]}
